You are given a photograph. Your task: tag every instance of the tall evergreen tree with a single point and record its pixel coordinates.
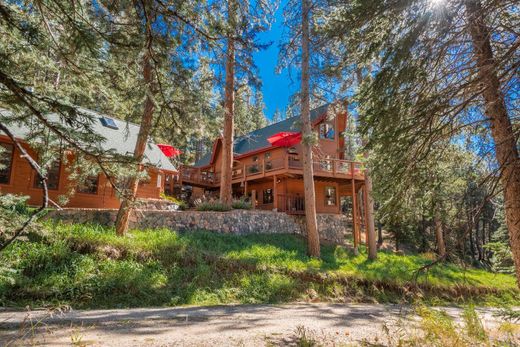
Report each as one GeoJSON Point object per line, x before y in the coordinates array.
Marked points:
{"type": "Point", "coordinates": [441, 69]}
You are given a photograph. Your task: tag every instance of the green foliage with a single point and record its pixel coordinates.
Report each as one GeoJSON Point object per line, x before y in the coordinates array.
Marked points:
{"type": "Point", "coordinates": [213, 206]}
{"type": "Point", "coordinates": [241, 204]}
{"type": "Point", "coordinates": [89, 266]}
{"type": "Point", "coordinates": [183, 205]}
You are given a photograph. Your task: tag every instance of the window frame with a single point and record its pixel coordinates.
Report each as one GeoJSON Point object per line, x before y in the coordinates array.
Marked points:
{"type": "Point", "coordinates": [271, 194]}
{"type": "Point", "coordinates": [90, 193]}
{"type": "Point", "coordinates": [36, 181]}
{"type": "Point", "coordinates": [11, 162]}
{"type": "Point", "coordinates": [329, 197]}
{"type": "Point", "coordinates": [323, 135]}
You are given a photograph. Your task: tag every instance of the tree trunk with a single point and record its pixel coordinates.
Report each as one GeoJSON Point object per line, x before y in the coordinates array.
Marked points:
{"type": "Point", "coordinates": [370, 227]}
{"type": "Point", "coordinates": [472, 244]}
{"type": "Point", "coordinates": [226, 196]}
{"type": "Point", "coordinates": [369, 200]}
{"type": "Point", "coordinates": [478, 241]}
{"type": "Point", "coordinates": [441, 247]}
{"type": "Point", "coordinates": [501, 129]}
{"type": "Point", "coordinates": [379, 235]}
{"type": "Point", "coordinates": [313, 238]}
{"type": "Point", "coordinates": [125, 210]}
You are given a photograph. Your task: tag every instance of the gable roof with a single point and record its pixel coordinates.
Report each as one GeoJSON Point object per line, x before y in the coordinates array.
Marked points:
{"type": "Point", "coordinates": [257, 139]}
{"type": "Point", "coordinates": [122, 140]}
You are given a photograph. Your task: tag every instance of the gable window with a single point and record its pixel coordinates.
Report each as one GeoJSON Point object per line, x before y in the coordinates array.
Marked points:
{"type": "Point", "coordinates": [53, 177]}
{"type": "Point", "coordinates": [330, 196]}
{"type": "Point", "coordinates": [267, 196]}
{"type": "Point", "coordinates": [327, 131]}
{"type": "Point", "coordinates": [89, 185]}
{"type": "Point", "coordinates": [6, 162]}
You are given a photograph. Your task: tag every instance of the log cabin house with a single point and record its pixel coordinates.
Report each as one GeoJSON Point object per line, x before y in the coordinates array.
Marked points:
{"type": "Point", "coordinates": [272, 175]}
{"type": "Point", "coordinates": [17, 177]}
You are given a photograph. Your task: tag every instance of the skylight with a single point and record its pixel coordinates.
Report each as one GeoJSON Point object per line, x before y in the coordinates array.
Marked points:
{"type": "Point", "coordinates": [109, 123]}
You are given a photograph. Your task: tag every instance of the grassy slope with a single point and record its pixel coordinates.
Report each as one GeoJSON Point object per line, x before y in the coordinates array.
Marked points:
{"type": "Point", "coordinates": [87, 266]}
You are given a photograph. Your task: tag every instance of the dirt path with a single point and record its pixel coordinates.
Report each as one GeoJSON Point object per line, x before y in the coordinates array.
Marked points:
{"type": "Point", "coordinates": [254, 325]}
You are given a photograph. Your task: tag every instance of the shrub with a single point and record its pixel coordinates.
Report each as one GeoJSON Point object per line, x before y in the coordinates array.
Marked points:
{"type": "Point", "coordinates": [241, 204]}
{"type": "Point", "coordinates": [212, 206]}
{"type": "Point", "coordinates": [183, 205]}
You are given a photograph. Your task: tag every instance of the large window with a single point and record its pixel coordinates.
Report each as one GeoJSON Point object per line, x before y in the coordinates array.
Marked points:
{"type": "Point", "coordinates": [327, 131]}
{"type": "Point", "coordinates": [268, 196]}
{"type": "Point", "coordinates": [89, 185]}
{"type": "Point", "coordinates": [6, 162]}
{"type": "Point", "coordinates": [330, 196]}
{"type": "Point", "coordinates": [53, 177]}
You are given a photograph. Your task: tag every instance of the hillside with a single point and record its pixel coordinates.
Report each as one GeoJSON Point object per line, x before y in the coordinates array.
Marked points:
{"type": "Point", "coordinates": [89, 267]}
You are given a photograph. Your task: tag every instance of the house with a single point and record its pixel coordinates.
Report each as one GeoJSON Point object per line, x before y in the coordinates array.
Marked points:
{"type": "Point", "coordinates": [17, 177]}
{"type": "Point", "coordinates": [272, 175]}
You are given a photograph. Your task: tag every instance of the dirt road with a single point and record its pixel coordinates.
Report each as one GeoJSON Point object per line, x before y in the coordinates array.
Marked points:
{"type": "Point", "coordinates": [254, 325]}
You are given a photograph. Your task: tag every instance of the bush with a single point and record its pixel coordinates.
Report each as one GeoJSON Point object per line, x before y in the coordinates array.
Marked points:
{"type": "Point", "coordinates": [183, 205]}
{"type": "Point", "coordinates": [213, 206]}
{"type": "Point", "coordinates": [241, 204]}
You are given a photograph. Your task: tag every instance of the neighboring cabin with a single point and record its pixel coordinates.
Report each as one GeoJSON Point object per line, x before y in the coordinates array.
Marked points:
{"type": "Point", "coordinates": [17, 177]}
{"type": "Point", "coordinates": [272, 176]}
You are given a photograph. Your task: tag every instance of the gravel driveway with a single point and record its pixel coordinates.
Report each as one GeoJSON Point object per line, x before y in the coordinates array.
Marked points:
{"type": "Point", "coordinates": [244, 325]}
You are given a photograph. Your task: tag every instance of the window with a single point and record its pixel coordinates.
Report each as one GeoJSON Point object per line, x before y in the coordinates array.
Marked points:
{"type": "Point", "coordinates": [267, 159]}
{"type": "Point", "coordinates": [330, 196]}
{"type": "Point", "coordinates": [292, 150]}
{"type": "Point", "coordinates": [327, 131]}
{"type": "Point", "coordinates": [6, 162]}
{"type": "Point", "coordinates": [89, 185]}
{"type": "Point", "coordinates": [53, 177]}
{"type": "Point", "coordinates": [109, 123]}
{"type": "Point", "coordinates": [268, 196]}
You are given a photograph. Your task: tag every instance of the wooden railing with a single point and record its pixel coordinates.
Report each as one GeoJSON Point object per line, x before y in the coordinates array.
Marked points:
{"type": "Point", "coordinates": [291, 204]}
{"type": "Point", "coordinates": [322, 167]}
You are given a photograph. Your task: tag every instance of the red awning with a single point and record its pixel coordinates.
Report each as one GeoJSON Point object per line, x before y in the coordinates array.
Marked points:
{"type": "Point", "coordinates": [169, 150]}
{"type": "Point", "coordinates": [285, 139]}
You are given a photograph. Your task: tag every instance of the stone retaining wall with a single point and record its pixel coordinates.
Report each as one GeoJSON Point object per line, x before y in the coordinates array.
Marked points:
{"type": "Point", "coordinates": [333, 227]}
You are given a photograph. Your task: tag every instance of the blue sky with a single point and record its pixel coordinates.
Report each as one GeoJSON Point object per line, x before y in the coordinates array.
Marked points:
{"type": "Point", "coordinates": [277, 88]}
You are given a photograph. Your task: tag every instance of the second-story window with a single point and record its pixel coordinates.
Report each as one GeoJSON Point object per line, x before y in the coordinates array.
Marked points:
{"type": "Point", "coordinates": [268, 163]}
{"type": "Point", "coordinates": [327, 131]}
{"type": "Point", "coordinates": [6, 162]}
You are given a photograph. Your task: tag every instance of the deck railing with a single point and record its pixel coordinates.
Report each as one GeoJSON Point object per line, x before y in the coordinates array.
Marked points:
{"type": "Point", "coordinates": [322, 167]}
{"type": "Point", "coordinates": [291, 204]}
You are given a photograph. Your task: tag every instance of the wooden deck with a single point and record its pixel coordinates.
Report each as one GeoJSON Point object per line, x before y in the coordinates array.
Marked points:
{"type": "Point", "coordinates": [289, 164]}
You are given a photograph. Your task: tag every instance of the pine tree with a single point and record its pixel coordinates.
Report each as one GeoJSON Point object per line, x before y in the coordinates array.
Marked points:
{"type": "Point", "coordinates": [439, 70]}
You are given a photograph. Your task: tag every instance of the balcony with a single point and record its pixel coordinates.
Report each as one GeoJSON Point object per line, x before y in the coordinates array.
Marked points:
{"type": "Point", "coordinates": [288, 164]}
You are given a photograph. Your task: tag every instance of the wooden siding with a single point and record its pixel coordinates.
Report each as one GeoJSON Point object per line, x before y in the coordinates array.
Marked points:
{"type": "Point", "coordinates": [23, 177]}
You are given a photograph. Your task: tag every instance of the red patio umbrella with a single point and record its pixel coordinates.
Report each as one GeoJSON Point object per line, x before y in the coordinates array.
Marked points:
{"type": "Point", "coordinates": [285, 139]}
{"type": "Point", "coordinates": [169, 150]}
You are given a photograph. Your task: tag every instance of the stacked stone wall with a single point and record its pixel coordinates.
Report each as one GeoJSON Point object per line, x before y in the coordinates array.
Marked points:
{"type": "Point", "coordinates": [333, 227]}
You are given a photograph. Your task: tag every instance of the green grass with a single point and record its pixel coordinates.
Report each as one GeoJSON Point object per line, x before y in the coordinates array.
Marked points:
{"type": "Point", "coordinates": [88, 266]}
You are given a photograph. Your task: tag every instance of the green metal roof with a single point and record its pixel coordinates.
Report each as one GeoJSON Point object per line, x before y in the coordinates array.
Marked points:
{"type": "Point", "coordinates": [257, 139]}
{"type": "Point", "coordinates": [122, 140]}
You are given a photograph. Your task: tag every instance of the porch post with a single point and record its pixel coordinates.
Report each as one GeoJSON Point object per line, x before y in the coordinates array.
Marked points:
{"type": "Point", "coordinates": [253, 199]}
{"type": "Point", "coordinates": [365, 200]}
{"type": "Point", "coordinates": [275, 194]}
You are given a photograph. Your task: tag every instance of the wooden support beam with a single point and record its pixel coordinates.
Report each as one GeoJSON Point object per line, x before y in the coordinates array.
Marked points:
{"type": "Point", "coordinates": [355, 230]}
{"type": "Point", "coordinates": [275, 194]}
{"type": "Point", "coordinates": [365, 201]}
